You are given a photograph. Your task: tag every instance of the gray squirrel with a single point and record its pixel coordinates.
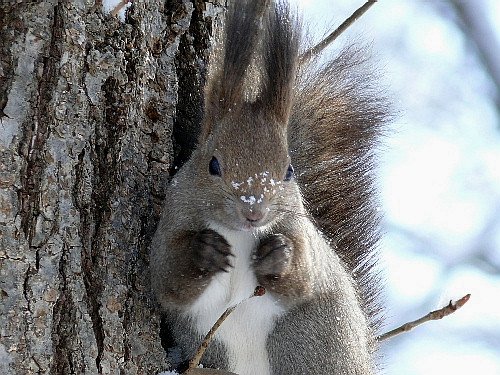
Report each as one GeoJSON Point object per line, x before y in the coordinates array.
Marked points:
{"type": "Point", "coordinates": [279, 193]}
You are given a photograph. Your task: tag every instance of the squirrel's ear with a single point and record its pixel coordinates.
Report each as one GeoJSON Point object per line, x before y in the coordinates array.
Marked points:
{"type": "Point", "coordinates": [280, 55]}
{"type": "Point", "coordinates": [231, 58]}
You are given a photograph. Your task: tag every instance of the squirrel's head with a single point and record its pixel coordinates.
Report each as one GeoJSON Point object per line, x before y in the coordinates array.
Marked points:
{"type": "Point", "coordinates": [243, 166]}
{"type": "Point", "coordinates": [244, 171]}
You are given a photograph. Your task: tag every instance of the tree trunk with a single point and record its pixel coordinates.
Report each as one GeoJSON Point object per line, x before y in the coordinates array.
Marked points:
{"type": "Point", "coordinates": [88, 110]}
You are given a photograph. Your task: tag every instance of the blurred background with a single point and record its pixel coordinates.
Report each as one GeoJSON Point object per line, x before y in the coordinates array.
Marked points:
{"type": "Point", "coordinates": [439, 176]}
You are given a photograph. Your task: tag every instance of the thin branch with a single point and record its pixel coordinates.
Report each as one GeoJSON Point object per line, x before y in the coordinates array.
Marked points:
{"type": "Point", "coordinates": [433, 315]}
{"type": "Point", "coordinates": [335, 34]}
{"type": "Point", "coordinates": [193, 363]}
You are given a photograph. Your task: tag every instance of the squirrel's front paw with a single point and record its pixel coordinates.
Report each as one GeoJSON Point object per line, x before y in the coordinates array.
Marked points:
{"type": "Point", "coordinates": [211, 252]}
{"type": "Point", "coordinates": [273, 257]}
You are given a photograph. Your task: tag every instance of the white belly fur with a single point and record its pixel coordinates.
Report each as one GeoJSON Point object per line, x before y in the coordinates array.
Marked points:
{"type": "Point", "coordinates": [245, 331]}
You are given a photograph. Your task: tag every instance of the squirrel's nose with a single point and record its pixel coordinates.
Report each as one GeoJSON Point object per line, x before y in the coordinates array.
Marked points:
{"type": "Point", "coordinates": [254, 215]}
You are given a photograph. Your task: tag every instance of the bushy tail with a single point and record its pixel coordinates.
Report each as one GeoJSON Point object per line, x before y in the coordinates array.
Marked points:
{"type": "Point", "coordinates": [337, 119]}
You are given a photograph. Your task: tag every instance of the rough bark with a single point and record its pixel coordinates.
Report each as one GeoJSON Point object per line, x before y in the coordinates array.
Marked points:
{"type": "Point", "coordinates": [87, 108]}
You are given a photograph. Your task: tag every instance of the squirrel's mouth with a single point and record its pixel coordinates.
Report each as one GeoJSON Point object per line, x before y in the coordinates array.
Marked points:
{"type": "Point", "coordinates": [249, 226]}
{"type": "Point", "coordinates": [254, 218]}
{"type": "Point", "coordinates": [253, 226]}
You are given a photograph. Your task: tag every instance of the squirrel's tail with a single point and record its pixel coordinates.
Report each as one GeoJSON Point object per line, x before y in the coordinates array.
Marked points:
{"type": "Point", "coordinates": [337, 118]}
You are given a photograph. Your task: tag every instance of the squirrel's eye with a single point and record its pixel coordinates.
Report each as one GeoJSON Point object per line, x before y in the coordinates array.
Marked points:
{"type": "Point", "coordinates": [289, 173]}
{"type": "Point", "coordinates": [214, 167]}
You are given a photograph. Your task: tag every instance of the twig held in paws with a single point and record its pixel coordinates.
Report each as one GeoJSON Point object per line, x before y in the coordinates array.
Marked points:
{"type": "Point", "coordinates": [193, 363]}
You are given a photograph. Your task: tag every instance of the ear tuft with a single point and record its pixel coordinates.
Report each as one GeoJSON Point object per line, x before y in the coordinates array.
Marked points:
{"type": "Point", "coordinates": [280, 56]}
{"type": "Point", "coordinates": [231, 60]}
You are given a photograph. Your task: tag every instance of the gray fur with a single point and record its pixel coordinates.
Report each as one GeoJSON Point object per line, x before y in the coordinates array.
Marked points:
{"type": "Point", "coordinates": [308, 235]}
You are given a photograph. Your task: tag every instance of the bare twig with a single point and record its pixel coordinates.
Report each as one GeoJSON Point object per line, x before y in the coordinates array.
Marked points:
{"type": "Point", "coordinates": [335, 34]}
{"type": "Point", "coordinates": [193, 363]}
{"type": "Point", "coordinates": [433, 315]}
{"type": "Point", "coordinates": [119, 7]}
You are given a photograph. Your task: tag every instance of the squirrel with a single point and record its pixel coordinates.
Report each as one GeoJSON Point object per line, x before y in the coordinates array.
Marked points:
{"type": "Point", "coordinates": [279, 193]}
